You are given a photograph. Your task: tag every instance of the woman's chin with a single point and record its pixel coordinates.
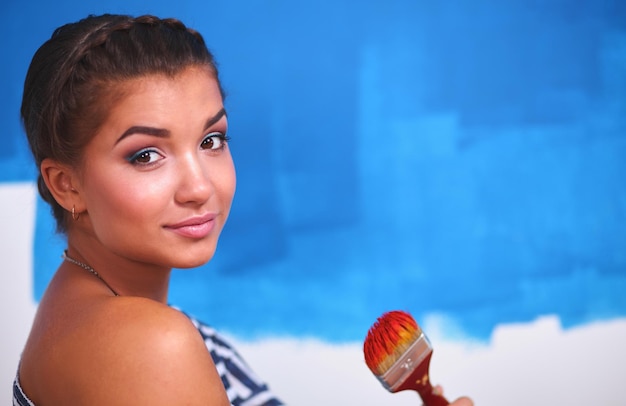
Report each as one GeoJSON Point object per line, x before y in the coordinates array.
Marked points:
{"type": "Point", "coordinates": [194, 261]}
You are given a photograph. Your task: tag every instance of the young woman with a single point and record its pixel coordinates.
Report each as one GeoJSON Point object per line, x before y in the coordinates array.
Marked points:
{"type": "Point", "coordinates": [125, 119]}
{"type": "Point", "coordinates": [126, 122]}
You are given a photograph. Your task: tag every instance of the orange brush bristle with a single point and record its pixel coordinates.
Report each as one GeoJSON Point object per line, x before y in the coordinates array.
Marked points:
{"type": "Point", "coordinates": [388, 338]}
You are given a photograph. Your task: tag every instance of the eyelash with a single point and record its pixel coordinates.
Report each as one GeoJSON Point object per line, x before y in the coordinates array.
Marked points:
{"type": "Point", "coordinates": [223, 139]}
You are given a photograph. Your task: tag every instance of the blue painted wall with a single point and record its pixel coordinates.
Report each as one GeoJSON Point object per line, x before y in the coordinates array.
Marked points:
{"type": "Point", "coordinates": [463, 158]}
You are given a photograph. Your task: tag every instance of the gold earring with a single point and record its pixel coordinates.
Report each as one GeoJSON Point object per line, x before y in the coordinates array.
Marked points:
{"type": "Point", "coordinates": [74, 215]}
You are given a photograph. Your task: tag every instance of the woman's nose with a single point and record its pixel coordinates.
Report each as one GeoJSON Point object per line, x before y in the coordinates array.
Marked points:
{"type": "Point", "coordinates": [195, 185]}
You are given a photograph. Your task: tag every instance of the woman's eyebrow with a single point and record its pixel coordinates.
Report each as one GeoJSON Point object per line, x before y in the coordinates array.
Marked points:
{"type": "Point", "coordinates": [157, 132]}
{"type": "Point", "coordinates": [161, 132]}
{"type": "Point", "coordinates": [215, 118]}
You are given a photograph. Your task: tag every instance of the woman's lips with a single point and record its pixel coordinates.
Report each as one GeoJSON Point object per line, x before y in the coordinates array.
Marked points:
{"type": "Point", "coordinates": [194, 227]}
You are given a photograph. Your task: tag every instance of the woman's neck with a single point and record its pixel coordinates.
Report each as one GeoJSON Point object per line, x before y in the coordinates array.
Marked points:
{"type": "Point", "coordinates": [124, 275]}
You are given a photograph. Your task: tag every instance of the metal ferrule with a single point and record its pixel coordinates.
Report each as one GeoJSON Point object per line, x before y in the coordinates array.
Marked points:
{"type": "Point", "coordinates": [406, 364]}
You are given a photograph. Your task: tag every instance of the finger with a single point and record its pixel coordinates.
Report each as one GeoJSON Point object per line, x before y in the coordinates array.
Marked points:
{"type": "Point", "coordinates": [462, 401]}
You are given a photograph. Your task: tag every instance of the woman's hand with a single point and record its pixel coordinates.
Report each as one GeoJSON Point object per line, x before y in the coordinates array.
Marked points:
{"type": "Point", "coordinates": [462, 401]}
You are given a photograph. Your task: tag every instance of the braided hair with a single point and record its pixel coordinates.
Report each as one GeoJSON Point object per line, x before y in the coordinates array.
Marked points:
{"type": "Point", "coordinates": [71, 82]}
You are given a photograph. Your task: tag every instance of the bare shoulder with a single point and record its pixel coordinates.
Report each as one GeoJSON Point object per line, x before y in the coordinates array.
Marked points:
{"type": "Point", "coordinates": [137, 351]}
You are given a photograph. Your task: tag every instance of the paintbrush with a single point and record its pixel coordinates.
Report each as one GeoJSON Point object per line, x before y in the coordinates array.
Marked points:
{"type": "Point", "coordinates": [398, 353]}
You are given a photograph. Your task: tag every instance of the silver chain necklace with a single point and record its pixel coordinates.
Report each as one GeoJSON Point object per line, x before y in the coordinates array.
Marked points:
{"type": "Point", "coordinates": [88, 268]}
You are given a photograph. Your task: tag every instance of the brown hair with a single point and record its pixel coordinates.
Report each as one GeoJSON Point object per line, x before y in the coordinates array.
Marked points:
{"type": "Point", "coordinates": [70, 83]}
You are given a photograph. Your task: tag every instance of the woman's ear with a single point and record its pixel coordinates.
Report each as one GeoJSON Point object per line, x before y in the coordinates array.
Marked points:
{"type": "Point", "coordinates": [61, 180]}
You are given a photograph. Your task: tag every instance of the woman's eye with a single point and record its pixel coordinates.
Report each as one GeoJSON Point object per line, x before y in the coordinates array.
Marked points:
{"type": "Point", "coordinates": [214, 141]}
{"type": "Point", "coordinates": [145, 157]}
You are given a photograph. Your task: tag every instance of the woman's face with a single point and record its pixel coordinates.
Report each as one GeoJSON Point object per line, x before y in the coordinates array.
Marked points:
{"type": "Point", "coordinates": [158, 179]}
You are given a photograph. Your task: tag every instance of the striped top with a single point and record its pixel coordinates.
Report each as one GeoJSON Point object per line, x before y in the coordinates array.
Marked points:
{"type": "Point", "coordinates": [242, 385]}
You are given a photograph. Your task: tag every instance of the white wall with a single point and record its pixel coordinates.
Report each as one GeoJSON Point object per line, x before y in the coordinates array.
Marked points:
{"type": "Point", "coordinates": [17, 308]}
{"type": "Point", "coordinates": [537, 363]}
{"type": "Point", "coordinates": [531, 364]}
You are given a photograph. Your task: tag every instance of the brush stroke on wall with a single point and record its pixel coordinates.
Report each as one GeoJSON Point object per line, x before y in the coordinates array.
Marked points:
{"type": "Point", "coordinates": [463, 159]}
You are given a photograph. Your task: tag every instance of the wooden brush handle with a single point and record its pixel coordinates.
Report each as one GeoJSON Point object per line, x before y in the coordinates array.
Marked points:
{"type": "Point", "coordinates": [419, 381]}
{"type": "Point", "coordinates": [432, 399]}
